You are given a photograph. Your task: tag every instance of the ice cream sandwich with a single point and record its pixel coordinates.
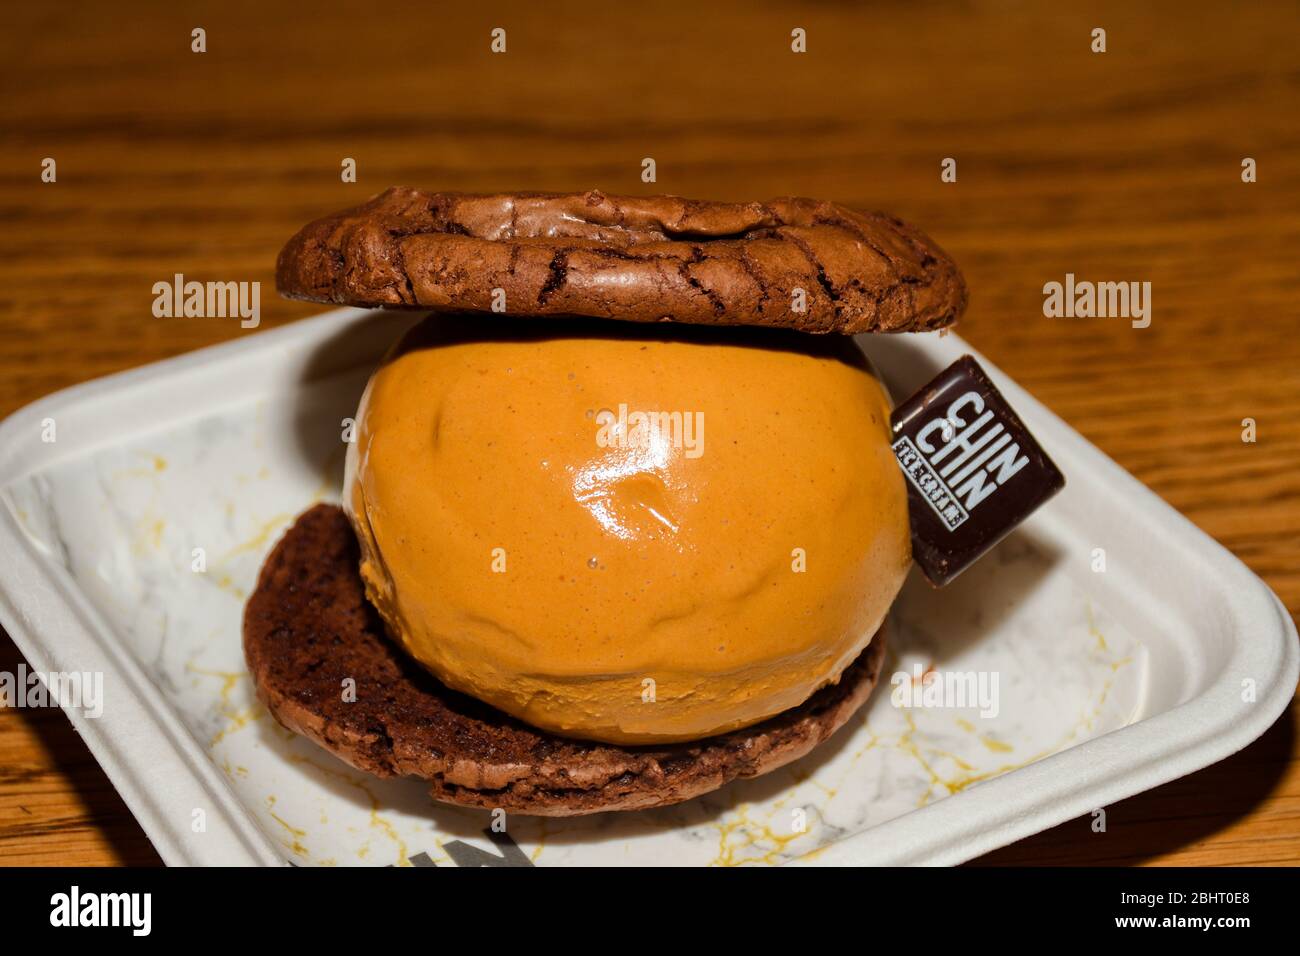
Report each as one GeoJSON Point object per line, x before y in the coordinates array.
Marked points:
{"type": "Point", "coordinates": [623, 517]}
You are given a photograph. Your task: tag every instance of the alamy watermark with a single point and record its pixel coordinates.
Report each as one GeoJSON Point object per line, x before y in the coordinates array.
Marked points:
{"type": "Point", "coordinates": [1083, 300]}
{"type": "Point", "coordinates": [651, 430]}
{"type": "Point", "coordinates": [133, 911]}
{"type": "Point", "coordinates": [215, 300]}
{"type": "Point", "coordinates": [953, 690]}
{"type": "Point", "coordinates": [80, 690]}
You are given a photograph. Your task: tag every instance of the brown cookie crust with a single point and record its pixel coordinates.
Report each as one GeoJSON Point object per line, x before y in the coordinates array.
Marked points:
{"type": "Point", "coordinates": [638, 258]}
{"type": "Point", "coordinates": [308, 626]}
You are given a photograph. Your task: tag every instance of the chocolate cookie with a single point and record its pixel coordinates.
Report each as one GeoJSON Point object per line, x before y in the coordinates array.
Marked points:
{"type": "Point", "coordinates": [308, 627]}
{"type": "Point", "coordinates": [792, 263]}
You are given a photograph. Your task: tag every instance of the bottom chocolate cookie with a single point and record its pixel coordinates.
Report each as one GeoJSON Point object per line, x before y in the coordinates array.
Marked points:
{"type": "Point", "coordinates": [308, 628]}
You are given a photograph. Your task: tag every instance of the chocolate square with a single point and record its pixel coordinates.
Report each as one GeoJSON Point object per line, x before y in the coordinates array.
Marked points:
{"type": "Point", "coordinates": [973, 470]}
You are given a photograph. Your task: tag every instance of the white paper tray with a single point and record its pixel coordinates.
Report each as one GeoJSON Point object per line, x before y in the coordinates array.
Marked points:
{"type": "Point", "coordinates": [1111, 683]}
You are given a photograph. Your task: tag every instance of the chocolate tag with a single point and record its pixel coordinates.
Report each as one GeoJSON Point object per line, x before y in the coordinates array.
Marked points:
{"type": "Point", "coordinates": [973, 470]}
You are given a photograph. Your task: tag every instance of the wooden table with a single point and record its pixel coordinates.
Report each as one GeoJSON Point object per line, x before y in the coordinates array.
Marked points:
{"type": "Point", "coordinates": [1123, 165]}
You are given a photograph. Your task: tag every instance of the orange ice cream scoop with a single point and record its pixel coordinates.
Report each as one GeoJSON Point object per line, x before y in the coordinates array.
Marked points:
{"type": "Point", "coordinates": [626, 533]}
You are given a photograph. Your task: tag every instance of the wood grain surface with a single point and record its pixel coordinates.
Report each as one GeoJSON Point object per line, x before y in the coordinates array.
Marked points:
{"type": "Point", "coordinates": [1124, 165]}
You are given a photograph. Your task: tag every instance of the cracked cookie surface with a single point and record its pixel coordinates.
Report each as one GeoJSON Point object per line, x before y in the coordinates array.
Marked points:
{"type": "Point", "coordinates": [308, 628]}
{"type": "Point", "coordinates": [792, 263]}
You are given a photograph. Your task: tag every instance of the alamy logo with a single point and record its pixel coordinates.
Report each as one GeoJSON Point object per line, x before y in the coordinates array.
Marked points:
{"type": "Point", "coordinates": [214, 300]}
{"type": "Point", "coordinates": [75, 908]}
{"type": "Point", "coordinates": [651, 431]}
{"type": "Point", "coordinates": [958, 690]}
{"type": "Point", "coordinates": [1083, 300]}
{"type": "Point", "coordinates": [955, 464]}
{"type": "Point", "coordinates": [80, 690]}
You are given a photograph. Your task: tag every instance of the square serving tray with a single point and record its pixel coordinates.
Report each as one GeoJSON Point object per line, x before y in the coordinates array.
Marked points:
{"type": "Point", "coordinates": [1111, 682]}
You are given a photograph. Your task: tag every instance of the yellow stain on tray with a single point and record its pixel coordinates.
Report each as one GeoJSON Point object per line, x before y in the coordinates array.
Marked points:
{"type": "Point", "coordinates": [295, 833]}
{"type": "Point", "coordinates": [798, 778]}
{"type": "Point", "coordinates": [225, 583]}
{"type": "Point", "coordinates": [814, 853]}
{"type": "Point", "coordinates": [229, 680]}
{"type": "Point", "coordinates": [157, 464]}
{"type": "Point", "coordinates": [262, 474]}
{"type": "Point", "coordinates": [268, 528]}
{"type": "Point", "coordinates": [908, 745]}
{"type": "Point", "coordinates": [148, 534]}
{"type": "Point", "coordinates": [968, 776]}
{"type": "Point", "coordinates": [873, 741]}
{"type": "Point", "coordinates": [1116, 665]}
{"type": "Point", "coordinates": [238, 717]}
{"type": "Point", "coordinates": [541, 839]}
{"type": "Point", "coordinates": [762, 834]}
{"type": "Point", "coordinates": [294, 842]}
{"type": "Point", "coordinates": [752, 834]}
{"type": "Point", "coordinates": [377, 821]}
{"type": "Point", "coordinates": [1094, 630]}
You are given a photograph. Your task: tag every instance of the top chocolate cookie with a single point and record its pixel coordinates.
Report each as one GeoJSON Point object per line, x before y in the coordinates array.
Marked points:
{"type": "Point", "coordinates": [793, 263]}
